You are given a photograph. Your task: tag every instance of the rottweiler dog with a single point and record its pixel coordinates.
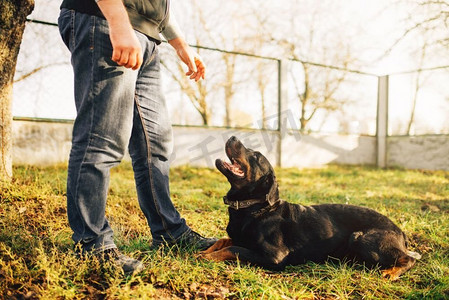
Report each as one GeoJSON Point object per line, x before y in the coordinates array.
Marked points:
{"type": "Point", "coordinates": [269, 232]}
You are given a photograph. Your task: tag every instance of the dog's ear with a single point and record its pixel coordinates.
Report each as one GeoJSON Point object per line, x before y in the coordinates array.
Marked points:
{"type": "Point", "coordinates": [273, 193]}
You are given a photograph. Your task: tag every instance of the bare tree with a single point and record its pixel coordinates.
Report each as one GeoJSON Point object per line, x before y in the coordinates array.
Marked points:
{"type": "Point", "coordinates": [228, 59]}
{"type": "Point", "coordinates": [221, 69]}
{"type": "Point", "coordinates": [196, 92]}
{"type": "Point", "coordinates": [426, 24]}
{"type": "Point", "coordinates": [286, 30]}
{"type": "Point", "coordinates": [37, 70]}
{"type": "Point", "coordinates": [262, 82]}
{"type": "Point", "coordinates": [426, 17]}
{"type": "Point", "coordinates": [13, 15]}
{"type": "Point", "coordinates": [418, 83]}
{"type": "Point", "coordinates": [318, 93]}
{"type": "Point", "coordinates": [308, 40]}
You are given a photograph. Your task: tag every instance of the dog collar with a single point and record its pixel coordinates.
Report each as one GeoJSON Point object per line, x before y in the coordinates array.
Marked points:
{"type": "Point", "coordinates": [243, 203]}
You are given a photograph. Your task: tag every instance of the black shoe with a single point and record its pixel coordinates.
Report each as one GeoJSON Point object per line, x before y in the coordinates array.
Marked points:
{"type": "Point", "coordinates": [190, 239]}
{"type": "Point", "coordinates": [129, 265]}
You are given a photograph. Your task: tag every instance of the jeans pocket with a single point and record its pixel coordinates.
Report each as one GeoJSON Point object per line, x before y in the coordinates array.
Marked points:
{"type": "Point", "coordinates": [66, 29]}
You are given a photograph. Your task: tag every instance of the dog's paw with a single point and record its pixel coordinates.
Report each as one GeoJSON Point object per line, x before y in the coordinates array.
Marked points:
{"type": "Point", "coordinates": [392, 274]}
{"type": "Point", "coordinates": [204, 256]}
{"type": "Point", "coordinates": [220, 255]}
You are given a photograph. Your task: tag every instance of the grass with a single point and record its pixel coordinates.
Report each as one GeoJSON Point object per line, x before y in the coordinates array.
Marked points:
{"type": "Point", "coordinates": [37, 260]}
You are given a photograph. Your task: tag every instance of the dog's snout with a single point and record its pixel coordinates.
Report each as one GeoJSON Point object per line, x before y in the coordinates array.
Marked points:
{"type": "Point", "coordinates": [232, 141]}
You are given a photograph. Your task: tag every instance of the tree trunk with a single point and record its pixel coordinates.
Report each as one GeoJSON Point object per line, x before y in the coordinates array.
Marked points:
{"type": "Point", "coordinates": [303, 120]}
{"type": "Point", "coordinates": [417, 88]}
{"type": "Point", "coordinates": [229, 87]}
{"type": "Point", "coordinates": [262, 85]}
{"type": "Point", "coordinates": [13, 15]}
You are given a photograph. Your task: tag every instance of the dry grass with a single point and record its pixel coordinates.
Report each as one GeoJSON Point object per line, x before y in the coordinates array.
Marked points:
{"type": "Point", "coordinates": [37, 260]}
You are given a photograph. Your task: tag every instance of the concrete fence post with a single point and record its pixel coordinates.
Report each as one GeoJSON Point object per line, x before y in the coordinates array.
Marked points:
{"type": "Point", "coordinates": [282, 106]}
{"type": "Point", "coordinates": [382, 121]}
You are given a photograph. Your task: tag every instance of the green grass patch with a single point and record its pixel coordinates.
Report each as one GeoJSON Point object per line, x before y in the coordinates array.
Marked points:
{"type": "Point", "coordinates": [37, 259]}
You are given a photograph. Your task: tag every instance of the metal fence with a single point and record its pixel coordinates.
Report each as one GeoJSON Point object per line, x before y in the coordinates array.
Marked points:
{"type": "Point", "coordinates": [243, 90]}
{"type": "Point", "coordinates": [419, 102]}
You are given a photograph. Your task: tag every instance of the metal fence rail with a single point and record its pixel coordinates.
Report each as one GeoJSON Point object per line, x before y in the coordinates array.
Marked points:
{"type": "Point", "coordinates": [243, 90]}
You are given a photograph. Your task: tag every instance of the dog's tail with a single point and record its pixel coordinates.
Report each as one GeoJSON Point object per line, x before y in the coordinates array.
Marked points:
{"type": "Point", "coordinates": [415, 255]}
{"type": "Point", "coordinates": [412, 254]}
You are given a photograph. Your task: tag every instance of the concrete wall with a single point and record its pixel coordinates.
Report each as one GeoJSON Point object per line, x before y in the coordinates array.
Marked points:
{"type": "Point", "coordinates": [316, 150]}
{"type": "Point", "coordinates": [419, 152]}
{"type": "Point", "coordinates": [41, 143]}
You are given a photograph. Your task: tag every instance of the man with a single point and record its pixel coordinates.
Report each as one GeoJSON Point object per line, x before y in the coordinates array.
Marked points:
{"type": "Point", "coordinates": [119, 104]}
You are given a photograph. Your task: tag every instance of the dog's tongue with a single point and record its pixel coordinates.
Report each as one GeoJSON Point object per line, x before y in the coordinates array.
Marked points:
{"type": "Point", "coordinates": [236, 170]}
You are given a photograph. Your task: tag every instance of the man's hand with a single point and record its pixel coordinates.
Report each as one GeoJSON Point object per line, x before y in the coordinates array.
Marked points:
{"type": "Point", "coordinates": [127, 51]}
{"type": "Point", "coordinates": [192, 60]}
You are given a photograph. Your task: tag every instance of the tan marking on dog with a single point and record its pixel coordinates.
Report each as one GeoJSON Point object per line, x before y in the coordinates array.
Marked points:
{"type": "Point", "coordinates": [220, 244]}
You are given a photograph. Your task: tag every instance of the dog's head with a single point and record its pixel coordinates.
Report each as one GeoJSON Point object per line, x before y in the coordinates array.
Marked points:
{"type": "Point", "coordinates": [249, 173]}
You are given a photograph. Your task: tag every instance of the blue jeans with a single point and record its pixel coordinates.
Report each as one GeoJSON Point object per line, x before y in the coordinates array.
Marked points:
{"type": "Point", "coordinates": [116, 108]}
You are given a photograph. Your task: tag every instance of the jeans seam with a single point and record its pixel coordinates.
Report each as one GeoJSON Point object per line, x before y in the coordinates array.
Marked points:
{"type": "Point", "coordinates": [72, 29]}
{"type": "Point", "coordinates": [150, 173]}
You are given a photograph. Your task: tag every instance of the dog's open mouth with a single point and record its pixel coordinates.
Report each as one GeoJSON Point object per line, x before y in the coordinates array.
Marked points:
{"type": "Point", "coordinates": [233, 167]}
